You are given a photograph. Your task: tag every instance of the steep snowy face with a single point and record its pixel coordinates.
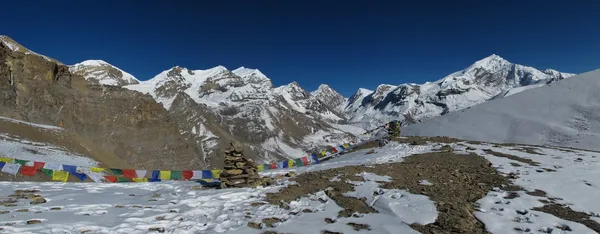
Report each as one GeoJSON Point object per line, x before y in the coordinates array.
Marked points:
{"type": "Point", "coordinates": [101, 72]}
{"type": "Point", "coordinates": [491, 77]}
{"type": "Point", "coordinates": [329, 96]}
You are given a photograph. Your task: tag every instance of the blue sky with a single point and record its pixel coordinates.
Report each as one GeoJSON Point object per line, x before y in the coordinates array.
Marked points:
{"type": "Point", "coordinates": [344, 44]}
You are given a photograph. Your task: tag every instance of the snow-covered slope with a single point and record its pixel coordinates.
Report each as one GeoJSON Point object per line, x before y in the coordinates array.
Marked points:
{"type": "Point", "coordinates": [490, 77]}
{"type": "Point", "coordinates": [102, 72]}
{"type": "Point", "coordinates": [242, 104]}
{"type": "Point", "coordinates": [564, 113]}
{"type": "Point", "coordinates": [330, 97]}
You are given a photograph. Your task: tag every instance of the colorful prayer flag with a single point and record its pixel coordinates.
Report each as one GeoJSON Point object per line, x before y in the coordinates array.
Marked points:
{"type": "Point", "coordinates": [38, 165]}
{"type": "Point", "coordinates": [207, 174]}
{"type": "Point", "coordinates": [60, 176]}
{"type": "Point", "coordinates": [334, 150]}
{"type": "Point", "coordinates": [291, 163]}
{"type": "Point", "coordinates": [73, 171]}
{"type": "Point", "coordinates": [22, 162]}
{"type": "Point", "coordinates": [304, 161]}
{"type": "Point", "coordinates": [315, 158]}
{"type": "Point", "coordinates": [140, 173]}
{"type": "Point", "coordinates": [155, 176]}
{"type": "Point", "coordinates": [6, 160]}
{"type": "Point", "coordinates": [187, 175]}
{"type": "Point", "coordinates": [2, 165]}
{"type": "Point", "coordinates": [112, 179]}
{"type": "Point", "coordinates": [121, 179]}
{"type": "Point", "coordinates": [165, 175]}
{"type": "Point", "coordinates": [273, 166]}
{"type": "Point", "coordinates": [216, 173]}
{"type": "Point", "coordinates": [197, 175]}
{"type": "Point", "coordinates": [11, 168]}
{"type": "Point", "coordinates": [260, 167]}
{"type": "Point", "coordinates": [53, 166]}
{"type": "Point", "coordinates": [176, 175]}
{"type": "Point", "coordinates": [48, 172]}
{"type": "Point", "coordinates": [96, 169]}
{"type": "Point", "coordinates": [28, 171]}
{"type": "Point", "coordinates": [140, 180]}
{"type": "Point", "coordinates": [284, 164]}
{"type": "Point", "coordinates": [117, 172]}
{"type": "Point", "coordinates": [299, 162]}
{"type": "Point", "coordinates": [128, 173]}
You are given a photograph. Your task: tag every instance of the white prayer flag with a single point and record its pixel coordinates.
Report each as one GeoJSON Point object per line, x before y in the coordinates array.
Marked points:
{"type": "Point", "coordinates": [11, 168]}
{"type": "Point", "coordinates": [53, 166]}
{"type": "Point", "coordinates": [140, 173]}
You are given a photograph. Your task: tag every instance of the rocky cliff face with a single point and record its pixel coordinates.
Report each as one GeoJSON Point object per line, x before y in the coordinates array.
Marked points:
{"type": "Point", "coordinates": [329, 97]}
{"type": "Point", "coordinates": [491, 77]}
{"type": "Point", "coordinates": [129, 124]}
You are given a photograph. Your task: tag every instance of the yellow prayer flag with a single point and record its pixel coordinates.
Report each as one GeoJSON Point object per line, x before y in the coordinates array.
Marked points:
{"type": "Point", "coordinates": [96, 169]}
{"type": "Point", "coordinates": [261, 167]}
{"type": "Point", "coordinates": [139, 180]}
{"type": "Point", "coordinates": [291, 163]}
{"type": "Point", "coordinates": [165, 175]}
{"type": "Point", "coordinates": [6, 160]}
{"type": "Point", "coordinates": [324, 152]}
{"type": "Point", "coordinates": [60, 176]}
{"type": "Point", "coordinates": [216, 173]}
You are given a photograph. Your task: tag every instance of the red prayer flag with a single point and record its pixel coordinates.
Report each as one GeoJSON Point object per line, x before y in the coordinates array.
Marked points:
{"type": "Point", "coordinates": [112, 179]}
{"type": "Point", "coordinates": [273, 165]}
{"type": "Point", "coordinates": [38, 165]}
{"type": "Point", "coordinates": [129, 173]}
{"type": "Point", "coordinates": [305, 161]}
{"type": "Point", "coordinates": [187, 174]}
{"type": "Point", "coordinates": [28, 170]}
{"type": "Point", "coordinates": [334, 150]}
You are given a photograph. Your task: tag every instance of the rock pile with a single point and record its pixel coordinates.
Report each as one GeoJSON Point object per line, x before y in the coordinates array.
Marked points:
{"type": "Point", "coordinates": [239, 171]}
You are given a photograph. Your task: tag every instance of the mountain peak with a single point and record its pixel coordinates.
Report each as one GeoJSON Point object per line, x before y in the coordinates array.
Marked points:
{"type": "Point", "coordinates": [329, 96]}
{"type": "Point", "coordinates": [102, 72]}
{"type": "Point", "coordinates": [249, 73]}
{"type": "Point", "coordinates": [492, 62]}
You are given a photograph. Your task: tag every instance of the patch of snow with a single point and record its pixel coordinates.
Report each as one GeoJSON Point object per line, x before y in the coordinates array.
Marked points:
{"type": "Point", "coordinates": [425, 182]}
{"type": "Point", "coordinates": [50, 127]}
{"type": "Point", "coordinates": [564, 113]}
{"type": "Point", "coordinates": [13, 147]}
{"type": "Point", "coordinates": [274, 144]}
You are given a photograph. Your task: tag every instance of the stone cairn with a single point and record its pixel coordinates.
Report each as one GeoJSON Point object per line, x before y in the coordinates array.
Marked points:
{"type": "Point", "coordinates": [239, 171]}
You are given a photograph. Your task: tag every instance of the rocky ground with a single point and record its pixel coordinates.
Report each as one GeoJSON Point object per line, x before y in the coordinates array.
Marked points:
{"type": "Point", "coordinates": [473, 187]}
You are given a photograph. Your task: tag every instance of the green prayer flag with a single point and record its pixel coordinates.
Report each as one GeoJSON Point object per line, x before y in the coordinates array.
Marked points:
{"type": "Point", "coordinates": [22, 162]}
{"type": "Point", "coordinates": [176, 175]}
{"type": "Point", "coordinates": [117, 172]}
{"type": "Point", "coordinates": [299, 162]}
{"type": "Point", "coordinates": [48, 172]}
{"type": "Point", "coordinates": [121, 179]}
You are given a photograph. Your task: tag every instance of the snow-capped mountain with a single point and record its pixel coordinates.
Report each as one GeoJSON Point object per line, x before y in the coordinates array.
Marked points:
{"type": "Point", "coordinates": [491, 77]}
{"type": "Point", "coordinates": [243, 105]}
{"type": "Point", "coordinates": [101, 72]}
{"type": "Point", "coordinates": [564, 113]}
{"type": "Point", "coordinates": [330, 97]}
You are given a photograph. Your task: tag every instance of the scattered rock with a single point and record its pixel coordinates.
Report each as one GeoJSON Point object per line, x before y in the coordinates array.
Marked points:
{"type": "Point", "coordinates": [359, 226]}
{"type": "Point", "coordinates": [371, 152]}
{"type": "Point", "coordinates": [255, 225]}
{"type": "Point", "coordinates": [159, 218]}
{"type": "Point", "coordinates": [4, 212]}
{"type": "Point", "coordinates": [156, 229]}
{"type": "Point", "coordinates": [271, 222]}
{"type": "Point", "coordinates": [136, 206]}
{"type": "Point", "coordinates": [33, 221]}
{"type": "Point", "coordinates": [329, 220]}
{"type": "Point", "coordinates": [23, 210]}
{"type": "Point", "coordinates": [156, 195]}
{"type": "Point", "coordinates": [537, 192]}
{"type": "Point", "coordinates": [307, 211]}
{"type": "Point", "coordinates": [290, 174]}
{"type": "Point", "coordinates": [55, 208]}
{"type": "Point", "coordinates": [132, 195]}
{"type": "Point", "coordinates": [119, 206]}
{"type": "Point", "coordinates": [255, 204]}
{"type": "Point", "coordinates": [152, 200]}
{"type": "Point", "coordinates": [37, 200]}
{"type": "Point", "coordinates": [330, 232]}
